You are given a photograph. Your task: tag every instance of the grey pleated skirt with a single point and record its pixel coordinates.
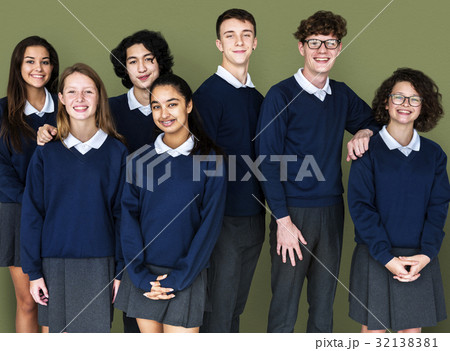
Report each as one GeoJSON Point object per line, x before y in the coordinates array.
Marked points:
{"type": "Point", "coordinates": [10, 234]}
{"type": "Point", "coordinates": [184, 310]}
{"type": "Point", "coordinates": [80, 295]}
{"type": "Point", "coordinates": [386, 303]}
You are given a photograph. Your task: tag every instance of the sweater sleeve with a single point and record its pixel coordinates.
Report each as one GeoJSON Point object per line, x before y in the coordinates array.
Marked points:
{"type": "Point", "coordinates": [132, 239]}
{"type": "Point", "coordinates": [10, 183]}
{"type": "Point", "coordinates": [436, 213]}
{"type": "Point", "coordinates": [212, 210]}
{"type": "Point", "coordinates": [270, 138]}
{"type": "Point", "coordinates": [117, 211]}
{"type": "Point", "coordinates": [363, 210]}
{"type": "Point", "coordinates": [32, 220]}
{"type": "Point", "coordinates": [210, 111]}
{"type": "Point", "coordinates": [360, 115]}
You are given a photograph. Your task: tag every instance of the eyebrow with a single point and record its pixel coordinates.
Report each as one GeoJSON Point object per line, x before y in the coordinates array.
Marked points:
{"type": "Point", "coordinates": [233, 31]}
{"type": "Point", "coordinates": [402, 93]}
{"type": "Point", "coordinates": [31, 57]}
{"type": "Point", "coordinates": [77, 87]}
{"type": "Point", "coordinates": [134, 57]}
{"type": "Point", "coordinates": [169, 100]}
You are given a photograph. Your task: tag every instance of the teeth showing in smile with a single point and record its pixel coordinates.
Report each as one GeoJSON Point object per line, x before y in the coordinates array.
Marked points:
{"type": "Point", "coordinates": [404, 111]}
{"type": "Point", "coordinates": [167, 123]}
{"type": "Point", "coordinates": [322, 59]}
{"type": "Point", "coordinates": [37, 76]}
{"type": "Point", "coordinates": [81, 109]}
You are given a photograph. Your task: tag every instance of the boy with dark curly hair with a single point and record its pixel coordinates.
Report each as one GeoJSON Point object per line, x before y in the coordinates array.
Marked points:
{"type": "Point", "coordinates": [305, 116]}
{"type": "Point", "coordinates": [138, 60]}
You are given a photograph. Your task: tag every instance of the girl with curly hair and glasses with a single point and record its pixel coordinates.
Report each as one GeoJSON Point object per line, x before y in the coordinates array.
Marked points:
{"type": "Point", "coordinates": [398, 197]}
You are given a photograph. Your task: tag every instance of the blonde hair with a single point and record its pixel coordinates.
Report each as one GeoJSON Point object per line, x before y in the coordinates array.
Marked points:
{"type": "Point", "coordinates": [103, 117]}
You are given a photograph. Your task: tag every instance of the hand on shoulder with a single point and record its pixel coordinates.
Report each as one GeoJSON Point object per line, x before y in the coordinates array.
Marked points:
{"type": "Point", "coordinates": [359, 144]}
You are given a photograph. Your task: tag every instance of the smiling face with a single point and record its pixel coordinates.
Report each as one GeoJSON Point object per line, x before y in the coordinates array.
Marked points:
{"type": "Point", "coordinates": [237, 41]}
{"type": "Point", "coordinates": [318, 61]}
{"type": "Point", "coordinates": [403, 114]}
{"type": "Point", "coordinates": [79, 96]}
{"type": "Point", "coordinates": [142, 66]}
{"type": "Point", "coordinates": [170, 111]}
{"type": "Point", "coordinates": [36, 68]}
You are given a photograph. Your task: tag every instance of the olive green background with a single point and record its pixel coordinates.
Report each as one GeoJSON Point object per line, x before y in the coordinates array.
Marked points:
{"type": "Point", "coordinates": [409, 33]}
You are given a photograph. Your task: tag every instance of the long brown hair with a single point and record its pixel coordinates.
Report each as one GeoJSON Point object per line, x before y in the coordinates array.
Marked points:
{"type": "Point", "coordinates": [103, 118]}
{"type": "Point", "coordinates": [14, 125]}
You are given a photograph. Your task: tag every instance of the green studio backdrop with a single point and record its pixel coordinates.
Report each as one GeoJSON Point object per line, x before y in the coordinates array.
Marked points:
{"type": "Point", "coordinates": [382, 36]}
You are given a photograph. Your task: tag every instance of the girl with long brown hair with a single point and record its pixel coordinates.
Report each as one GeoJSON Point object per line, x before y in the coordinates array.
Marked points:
{"type": "Point", "coordinates": [71, 211]}
{"type": "Point", "coordinates": [29, 104]}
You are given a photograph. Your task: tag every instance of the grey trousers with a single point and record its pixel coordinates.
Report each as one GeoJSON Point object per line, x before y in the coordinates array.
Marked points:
{"type": "Point", "coordinates": [230, 274]}
{"type": "Point", "coordinates": [322, 228]}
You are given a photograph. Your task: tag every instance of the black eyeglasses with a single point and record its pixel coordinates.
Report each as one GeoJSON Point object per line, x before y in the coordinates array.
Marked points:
{"type": "Point", "coordinates": [398, 99]}
{"type": "Point", "coordinates": [314, 44]}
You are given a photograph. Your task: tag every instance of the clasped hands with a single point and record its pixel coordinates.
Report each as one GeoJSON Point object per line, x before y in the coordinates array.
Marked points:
{"type": "Point", "coordinates": [157, 292]}
{"type": "Point", "coordinates": [407, 269]}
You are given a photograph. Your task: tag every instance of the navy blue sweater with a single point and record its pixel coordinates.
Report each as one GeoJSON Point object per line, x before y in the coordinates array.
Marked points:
{"type": "Point", "coordinates": [137, 128]}
{"type": "Point", "coordinates": [300, 125]}
{"type": "Point", "coordinates": [397, 201]}
{"type": "Point", "coordinates": [177, 221]}
{"type": "Point", "coordinates": [13, 165]}
{"type": "Point", "coordinates": [71, 204]}
{"type": "Point", "coordinates": [230, 117]}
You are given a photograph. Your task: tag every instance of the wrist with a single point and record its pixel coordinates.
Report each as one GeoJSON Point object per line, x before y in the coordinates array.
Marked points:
{"type": "Point", "coordinates": [284, 220]}
{"type": "Point", "coordinates": [368, 132]}
{"type": "Point", "coordinates": [426, 259]}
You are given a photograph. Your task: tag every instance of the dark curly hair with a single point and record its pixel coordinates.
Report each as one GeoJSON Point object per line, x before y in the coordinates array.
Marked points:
{"type": "Point", "coordinates": [322, 22]}
{"type": "Point", "coordinates": [431, 111]}
{"type": "Point", "coordinates": [153, 42]}
{"type": "Point", "coordinates": [239, 14]}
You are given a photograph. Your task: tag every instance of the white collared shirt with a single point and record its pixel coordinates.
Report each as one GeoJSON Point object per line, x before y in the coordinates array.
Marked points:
{"type": "Point", "coordinates": [229, 78]}
{"type": "Point", "coordinates": [310, 88]}
{"type": "Point", "coordinates": [49, 106]}
{"type": "Point", "coordinates": [93, 143]}
{"type": "Point", "coordinates": [133, 103]}
{"type": "Point", "coordinates": [392, 144]}
{"type": "Point", "coordinates": [184, 149]}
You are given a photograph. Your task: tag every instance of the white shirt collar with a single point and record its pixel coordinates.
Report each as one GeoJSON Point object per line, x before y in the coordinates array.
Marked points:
{"type": "Point", "coordinates": [184, 149]}
{"type": "Point", "coordinates": [49, 106]}
{"type": "Point", "coordinates": [229, 78]}
{"type": "Point", "coordinates": [392, 144]}
{"type": "Point", "coordinates": [133, 103]}
{"type": "Point", "coordinates": [93, 143]}
{"type": "Point", "coordinates": [310, 88]}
